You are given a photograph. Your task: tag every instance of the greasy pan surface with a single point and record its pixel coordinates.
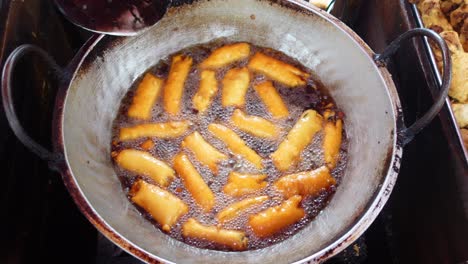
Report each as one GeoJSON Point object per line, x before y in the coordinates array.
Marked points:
{"type": "Point", "coordinates": [342, 62]}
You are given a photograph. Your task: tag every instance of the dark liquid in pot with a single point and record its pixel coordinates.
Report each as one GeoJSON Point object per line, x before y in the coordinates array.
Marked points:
{"type": "Point", "coordinates": [312, 96]}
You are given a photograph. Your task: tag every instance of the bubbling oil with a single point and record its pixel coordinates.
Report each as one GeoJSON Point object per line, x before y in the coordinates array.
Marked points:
{"type": "Point", "coordinates": [311, 96]}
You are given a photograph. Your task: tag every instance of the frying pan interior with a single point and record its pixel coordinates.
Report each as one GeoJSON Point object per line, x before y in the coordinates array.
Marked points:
{"type": "Point", "coordinates": [343, 64]}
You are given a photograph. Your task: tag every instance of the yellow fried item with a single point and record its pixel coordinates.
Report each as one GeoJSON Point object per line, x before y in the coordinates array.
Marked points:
{"type": "Point", "coordinates": [459, 15]}
{"type": "Point", "coordinates": [277, 70]}
{"type": "Point", "coordinates": [145, 96]}
{"type": "Point", "coordinates": [272, 99]}
{"type": "Point", "coordinates": [208, 88]}
{"type": "Point", "coordinates": [143, 163]}
{"type": "Point", "coordinates": [226, 55]}
{"type": "Point", "coordinates": [241, 184]}
{"type": "Point", "coordinates": [174, 87]}
{"type": "Point", "coordinates": [235, 144]}
{"type": "Point", "coordinates": [147, 145]}
{"type": "Point", "coordinates": [161, 130]}
{"type": "Point", "coordinates": [275, 219]}
{"type": "Point", "coordinates": [305, 183]}
{"type": "Point", "coordinates": [203, 151]}
{"type": "Point", "coordinates": [461, 114]}
{"type": "Point", "coordinates": [254, 125]}
{"type": "Point", "coordinates": [433, 17]}
{"type": "Point", "coordinates": [162, 205]}
{"type": "Point", "coordinates": [464, 35]}
{"type": "Point", "coordinates": [233, 239]}
{"type": "Point", "coordinates": [332, 138]}
{"type": "Point", "coordinates": [194, 182]}
{"type": "Point", "coordinates": [235, 209]}
{"type": "Point", "coordinates": [235, 84]}
{"type": "Point", "coordinates": [298, 138]}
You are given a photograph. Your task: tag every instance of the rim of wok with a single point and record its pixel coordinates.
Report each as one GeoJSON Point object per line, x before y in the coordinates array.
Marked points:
{"type": "Point", "coordinates": [360, 224]}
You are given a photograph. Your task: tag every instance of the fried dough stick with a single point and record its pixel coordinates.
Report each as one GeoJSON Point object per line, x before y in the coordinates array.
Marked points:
{"type": "Point", "coordinates": [194, 182]}
{"type": "Point", "coordinates": [226, 55]}
{"type": "Point", "coordinates": [305, 183]}
{"type": "Point", "coordinates": [145, 96]}
{"type": "Point", "coordinates": [174, 87]}
{"type": "Point", "coordinates": [208, 88]}
{"type": "Point", "coordinates": [162, 205]}
{"type": "Point", "coordinates": [254, 125]}
{"type": "Point", "coordinates": [274, 219]}
{"type": "Point", "coordinates": [298, 138]}
{"type": "Point", "coordinates": [233, 239]}
{"type": "Point", "coordinates": [235, 84]}
{"type": "Point", "coordinates": [161, 130]}
{"type": "Point", "coordinates": [241, 184]}
{"type": "Point", "coordinates": [332, 138]}
{"type": "Point", "coordinates": [203, 151]}
{"type": "Point", "coordinates": [143, 163]}
{"type": "Point", "coordinates": [235, 144]}
{"type": "Point", "coordinates": [234, 210]}
{"type": "Point", "coordinates": [272, 99]}
{"type": "Point", "coordinates": [277, 70]}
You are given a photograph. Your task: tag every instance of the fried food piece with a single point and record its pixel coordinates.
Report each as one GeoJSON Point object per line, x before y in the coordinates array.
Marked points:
{"type": "Point", "coordinates": [300, 136]}
{"type": "Point", "coordinates": [332, 138]}
{"type": "Point", "coordinates": [275, 219]}
{"type": "Point", "coordinates": [162, 205]}
{"type": "Point", "coordinates": [235, 209]}
{"type": "Point", "coordinates": [272, 99]}
{"type": "Point", "coordinates": [161, 130]}
{"type": "Point", "coordinates": [278, 70]}
{"type": "Point", "coordinates": [305, 183]}
{"type": "Point", "coordinates": [233, 239]}
{"type": "Point", "coordinates": [241, 184]}
{"type": "Point", "coordinates": [461, 114]}
{"type": "Point", "coordinates": [194, 182]}
{"type": "Point", "coordinates": [433, 17]}
{"type": "Point", "coordinates": [254, 125]}
{"type": "Point", "coordinates": [143, 163]}
{"type": "Point", "coordinates": [464, 35]}
{"type": "Point", "coordinates": [174, 87]}
{"type": "Point", "coordinates": [447, 6]}
{"type": "Point", "coordinates": [147, 145]}
{"type": "Point", "coordinates": [226, 55]}
{"type": "Point", "coordinates": [459, 15]}
{"type": "Point", "coordinates": [235, 84]}
{"type": "Point", "coordinates": [145, 96]}
{"type": "Point", "coordinates": [464, 134]}
{"type": "Point", "coordinates": [208, 88]}
{"type": "Point", "coordinates": [235, 144]}
{"type": "Point", "coordinates": [203, 151]}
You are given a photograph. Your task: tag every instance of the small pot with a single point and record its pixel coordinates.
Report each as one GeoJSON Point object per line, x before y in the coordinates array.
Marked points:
{"type": "Point", "coordinates": [106, 66]}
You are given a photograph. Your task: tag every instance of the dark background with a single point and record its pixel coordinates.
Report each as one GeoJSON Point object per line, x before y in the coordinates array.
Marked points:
{"type": "Point", "coordinates": [425, 220]}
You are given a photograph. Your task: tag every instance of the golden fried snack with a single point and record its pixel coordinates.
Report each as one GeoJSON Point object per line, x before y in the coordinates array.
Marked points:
{"type": "Point", "coordinates": [433, 17]}
{"type": "Point", "coordinates": [300, 136]}
{"type": "Point", "coordinates": [241, 184]}
{"type": "Point", "coordinates": [305, 183]}
{"type": "Point", "coordinates": [174, 87]}
{"type": "Point", "coordinates": [208, 88]}
{"type": "Point", "coordinates": [147, 145]}
{"type": "Point", "coordinates": [461, 114]}
{"type": "Point", "coordinates": [464, 35]}
{"type": "Point", "coordinates": [194, 182]}
{"type": "Point", "coordinates": [225, 55]}
{"type": "Point", "coordinates": [233, 239]}
{"type": "Point", "coordinates": [203, 151]}
{"type": "Point", "coordinates": [447, 6]}
{"type": "Point", "coordinates": [235, 144]}
{"type": "Point", "coordinates": [141, 162]}
{"type": "Point", "coordinates": [235, 209]}
{"type": "Point", "coordinates": [332, 138]}
{"type": "Point", "coordinates": [272, 100]}
{"type": "Point", "coordinates": [278, 70]}
{"type": "Point", "coordinates": [162, 205]}
{"type": "Point", "coordinates": [254, 125]}
{"type": "Point", "coordinates": [274, 219]}
{"type": "Point", "coordinates": [458, 16]}
{"type": "Point", "coordinates": [161, 130]}
{"type": "Point", "coordinates": [145, 96]}
{"type": "Point", "coordinates": [235, 84]}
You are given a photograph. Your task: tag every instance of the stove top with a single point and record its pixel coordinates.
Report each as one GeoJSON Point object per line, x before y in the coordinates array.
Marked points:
{"type": "Point", "coordinates": [425, 220]}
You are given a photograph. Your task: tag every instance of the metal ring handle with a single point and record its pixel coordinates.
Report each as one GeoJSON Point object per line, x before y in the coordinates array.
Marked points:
{"type": "Point", "coordinates": [407, 134]}
{"type": "Point", "coordinates": [8, 105]}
